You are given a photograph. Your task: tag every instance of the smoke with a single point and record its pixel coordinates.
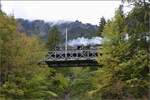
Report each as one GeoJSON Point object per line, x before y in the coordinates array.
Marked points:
{"type": "Point", "coordinates": [85, 41]}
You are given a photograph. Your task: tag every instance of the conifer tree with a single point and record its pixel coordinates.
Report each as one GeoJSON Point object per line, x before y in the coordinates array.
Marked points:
{"type": "Point", "coordinates": [125, 60]}
{"type": "Point", "coordinates": [101, 26]}
{"type": "Point", "coordinates": [53, 38]}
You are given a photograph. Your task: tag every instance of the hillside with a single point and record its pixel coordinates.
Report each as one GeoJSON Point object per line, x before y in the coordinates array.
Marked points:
{"type": "Point", "coordinates": [41, 28]}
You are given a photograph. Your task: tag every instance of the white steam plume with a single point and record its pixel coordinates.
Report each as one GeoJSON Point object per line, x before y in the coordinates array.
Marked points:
{"type": "Point", "coordinates": [85, 41]}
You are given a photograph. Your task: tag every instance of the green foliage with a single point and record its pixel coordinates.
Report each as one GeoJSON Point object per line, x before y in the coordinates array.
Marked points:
{"type": "Point", "coordinates": [125, 61]}
{"type": "Point", "coordinates": [21, 77]}
{"type": "Point", "coordinates": [101, 26]}
{"type": "Point", "coordinates": [41, 28]}
{"type": "Point", "coordinates": [73, 83]}
{"type": "Point", "coordinates": [53, 38]}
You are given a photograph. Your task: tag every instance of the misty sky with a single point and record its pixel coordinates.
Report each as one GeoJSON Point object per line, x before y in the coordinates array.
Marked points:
{"type": "Point", "coordinates": [85, 11]}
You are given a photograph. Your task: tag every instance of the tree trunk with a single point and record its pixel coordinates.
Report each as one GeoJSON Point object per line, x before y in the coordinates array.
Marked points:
{"type": "Point", "coordinates": [67, 96]}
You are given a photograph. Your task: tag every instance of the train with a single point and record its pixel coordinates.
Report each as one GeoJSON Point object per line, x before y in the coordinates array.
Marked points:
{"type": "Point", "coordinates": [78, 47]}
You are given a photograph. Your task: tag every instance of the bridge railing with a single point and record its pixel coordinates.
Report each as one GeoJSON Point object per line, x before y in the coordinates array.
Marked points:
{"type": "Point", "coordinates": [72, 55]}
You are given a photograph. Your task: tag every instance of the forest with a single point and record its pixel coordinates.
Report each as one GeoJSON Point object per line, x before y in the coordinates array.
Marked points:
{"type": "Point", "coordinates": [40, 28]}
{"type": "Point", "coordinates": [125, 59]}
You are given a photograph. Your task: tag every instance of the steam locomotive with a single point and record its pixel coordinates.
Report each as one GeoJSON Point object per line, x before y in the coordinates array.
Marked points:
{"type": "Point", "coordinates": [78, 47]}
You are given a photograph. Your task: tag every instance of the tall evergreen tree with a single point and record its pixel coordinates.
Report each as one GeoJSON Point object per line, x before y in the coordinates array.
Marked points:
{"type": "Point", "coordinates": [113, 48]}
{"type": "Point", "coordinates": [53, 38]}
{"type": "Point", "coordinates": [101, 26]}
{"type": "Point", "coordinates": [125, 61]}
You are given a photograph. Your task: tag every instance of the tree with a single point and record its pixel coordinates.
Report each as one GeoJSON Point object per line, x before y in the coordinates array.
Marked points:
{"type": "Point", "coordinates": [53, 38]}
{"type": "Point", "coordinates": [20, 75]}
{"type": "Point", "coordinates": [101, 26]}
{"type": "Point", "coordinates": [110, 59]}
{"type": "Point", "coordinates": [7, 30]}
{"type": "Point", "coordinates": [125, 61]}
{"type": "Point", "coordinates": [138, 30]}
{"type": "Point", "coordinates": [144, 3]}
{"type": "Point", "coordinates": [72, 83]}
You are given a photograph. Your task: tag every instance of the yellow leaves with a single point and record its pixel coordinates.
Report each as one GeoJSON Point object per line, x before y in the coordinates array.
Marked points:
{"type": "Point", "coordinates": [12, 89]}
{"type": "Point", "coordinates": [20, 55]}
{"type": "Point", "coordinates": [50, 93]}
{"type": "Point", "coordinates": [92, 93]}
{"type": "Point", "coordinates": [7, 24]}
{"type": "Point", "coordinates": [135, 82]}
{"type": "Point", "coordinates": [25, 50]}
{"type": "Point", "coordinates": [64, 82]}
{"type": "Point", "coordinates": [19, 92]}
{"type": "Point", "coordinates": [102, 78]}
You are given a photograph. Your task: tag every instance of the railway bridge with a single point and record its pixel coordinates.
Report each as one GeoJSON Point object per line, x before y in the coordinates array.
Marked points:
{"type": "Point", "coordinates": [72, 58]}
